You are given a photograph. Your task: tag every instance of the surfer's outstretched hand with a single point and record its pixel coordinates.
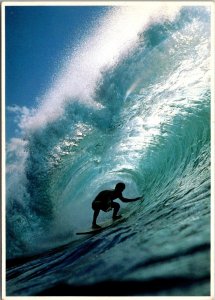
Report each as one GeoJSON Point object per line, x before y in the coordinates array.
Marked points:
{"type": "Point", "coordinates": [138, 198]}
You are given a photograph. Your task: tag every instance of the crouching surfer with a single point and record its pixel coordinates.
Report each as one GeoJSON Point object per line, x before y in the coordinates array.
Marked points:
{"type": "Point", "coordinates": [104, 202]}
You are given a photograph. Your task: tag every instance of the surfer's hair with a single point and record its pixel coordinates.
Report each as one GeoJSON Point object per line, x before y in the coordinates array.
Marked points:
{"type": "Point", "coordinates": [120, 186]}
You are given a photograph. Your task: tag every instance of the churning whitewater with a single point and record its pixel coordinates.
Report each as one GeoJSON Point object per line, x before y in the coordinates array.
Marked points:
{"type": "Point", "coordinates": [132, 104]}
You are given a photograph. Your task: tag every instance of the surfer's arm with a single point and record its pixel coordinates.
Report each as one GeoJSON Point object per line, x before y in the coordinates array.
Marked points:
{"type": "Point", "coordinates": [129, 200]}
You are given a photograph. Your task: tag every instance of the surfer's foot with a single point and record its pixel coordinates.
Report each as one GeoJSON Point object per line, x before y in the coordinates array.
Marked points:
{"type": "Point", "coordinates": [95, 226]}
{"type": "Point", "coordinates": [117, 217]}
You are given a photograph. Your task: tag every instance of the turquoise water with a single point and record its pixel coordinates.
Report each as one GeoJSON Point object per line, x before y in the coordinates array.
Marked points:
{"type": "Point", "coordinates": [148, 126]}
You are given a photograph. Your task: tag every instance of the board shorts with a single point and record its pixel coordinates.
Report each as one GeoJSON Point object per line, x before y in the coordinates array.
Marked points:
{"type": "Point", "coordinates": [103, 206]}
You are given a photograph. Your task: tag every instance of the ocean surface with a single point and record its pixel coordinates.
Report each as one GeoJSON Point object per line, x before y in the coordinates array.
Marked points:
{"type": "Point", "coordinates": [131, 104]}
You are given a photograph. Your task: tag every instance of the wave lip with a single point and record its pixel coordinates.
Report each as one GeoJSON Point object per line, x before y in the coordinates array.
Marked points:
{"type": "Point", "coordinates": [116, 35]}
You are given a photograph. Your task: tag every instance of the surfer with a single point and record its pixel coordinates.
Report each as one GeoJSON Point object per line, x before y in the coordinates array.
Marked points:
{"type": "Point", "coordinates": [104, 201]}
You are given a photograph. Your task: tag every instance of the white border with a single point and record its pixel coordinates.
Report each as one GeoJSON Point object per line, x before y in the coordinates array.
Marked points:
{"type": "Point", "coordinates": [208, 3]}
{"type": "Point", "coordinates": [3, 208]}
{"type": "Point", "coordinates": [105, 3]}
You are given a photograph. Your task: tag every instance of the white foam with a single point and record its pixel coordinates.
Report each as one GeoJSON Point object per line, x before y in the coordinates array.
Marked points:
{"type": "Point", "coordinates": [116, 34]}
{"type": "Point", "coordinates": [17, 148]}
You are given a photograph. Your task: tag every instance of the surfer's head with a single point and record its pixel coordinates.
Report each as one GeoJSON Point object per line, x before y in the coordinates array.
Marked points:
{"type": "Point", "coordinates": [120, 187]}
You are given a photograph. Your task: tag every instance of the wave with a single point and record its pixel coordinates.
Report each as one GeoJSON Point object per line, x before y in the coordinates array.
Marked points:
{"type": "Point", "coordinates": [131, 104]}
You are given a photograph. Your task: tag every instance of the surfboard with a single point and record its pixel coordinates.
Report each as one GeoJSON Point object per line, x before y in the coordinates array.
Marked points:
{"type": "Point", "coordinates": [103, 225]}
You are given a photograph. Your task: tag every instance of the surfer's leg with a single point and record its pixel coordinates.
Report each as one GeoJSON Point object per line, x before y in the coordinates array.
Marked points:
{"type": "Point", "coordinates": [95, 215]}
{"type": "Point", "coordinates": [116, 208]}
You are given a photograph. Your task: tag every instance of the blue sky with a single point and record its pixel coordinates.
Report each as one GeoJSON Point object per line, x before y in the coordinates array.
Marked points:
{"type": "Point", "coordinates": [37, 40]}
